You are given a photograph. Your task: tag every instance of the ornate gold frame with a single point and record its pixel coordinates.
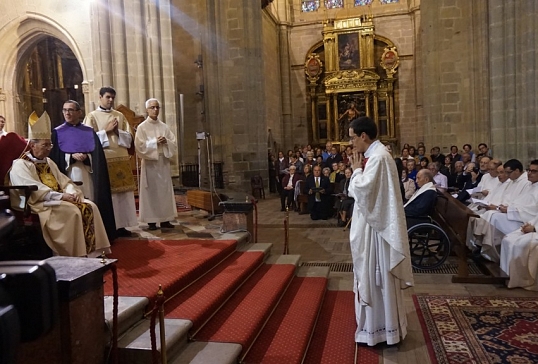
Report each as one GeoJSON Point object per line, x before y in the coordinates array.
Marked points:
{"type": "Point", "coordinates": [377, 90]}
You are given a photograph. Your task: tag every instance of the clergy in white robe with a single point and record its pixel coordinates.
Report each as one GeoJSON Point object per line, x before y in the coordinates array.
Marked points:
{"type": "Point", "coordinates": [519, 256]}
{"type": "Point", "coordinates": [155, 144]}
{"type": "Point", "coordinates": [116, 137]}
{"type": "Point", "coordinates": [378, 238]}
{"type": "Point", "coordinates": [71, 225]}
{"type": "Point", "coordinates": [484, 233]}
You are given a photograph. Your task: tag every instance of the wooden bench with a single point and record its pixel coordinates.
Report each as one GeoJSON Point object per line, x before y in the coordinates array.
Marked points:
{"type": "Point", "coordinates": [453, 217]}
{"type": "Point", "coordinates": [202, 200]}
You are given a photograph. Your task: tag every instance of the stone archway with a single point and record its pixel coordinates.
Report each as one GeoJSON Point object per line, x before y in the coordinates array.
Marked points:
{"type": "Point", "coordinates": [18, 39]}
{"type": "Point", "coordinates": [47, 75]}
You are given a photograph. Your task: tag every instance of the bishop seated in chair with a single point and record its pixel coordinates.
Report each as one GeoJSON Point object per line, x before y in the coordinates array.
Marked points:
{"type": "Point", "coordinates": [71, 225]}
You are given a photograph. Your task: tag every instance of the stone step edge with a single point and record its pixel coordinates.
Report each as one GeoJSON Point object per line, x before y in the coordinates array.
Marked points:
{"type": "Point", "coordinates": [200, 352]}
{"type": "Point", "coordinates": [130, 311]}
{"type": "Point", "coordinates": [135, 345]}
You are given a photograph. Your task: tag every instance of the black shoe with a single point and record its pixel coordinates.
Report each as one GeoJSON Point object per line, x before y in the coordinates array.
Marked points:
{"type": "Point", "coordinates": [123, 233]}
{"type": "Point", "coordinates": [152, 226]}
{"type": "Point", "coordinates": [341, 223]}
{"type": "Point", "coordinates": [166, 225]}
{"type": "Point", "coordinates": [282, 209]}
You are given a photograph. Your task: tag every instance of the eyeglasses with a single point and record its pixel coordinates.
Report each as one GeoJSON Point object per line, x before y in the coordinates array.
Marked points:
{"type": "Point", "coordinates": [154, 107]}
{"type": "Point", "coordinates": [46, 145]}
{"type": "Point", "coordinates": [532, 170]}
{"type": "Point", "coordinates": [69, 111]}
{"type": "Point", "coordinates": [507, 172]}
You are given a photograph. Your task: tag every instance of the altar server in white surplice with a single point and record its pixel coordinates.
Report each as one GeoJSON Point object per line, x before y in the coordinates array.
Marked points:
{"type": "Point", "coordinates": [378, 238]}
{"type": "Point", "coordinates": [156, 144]}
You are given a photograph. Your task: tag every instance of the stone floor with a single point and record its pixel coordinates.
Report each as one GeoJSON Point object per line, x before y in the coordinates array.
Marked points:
{"type": "Point", "coordinates": [323, 241]}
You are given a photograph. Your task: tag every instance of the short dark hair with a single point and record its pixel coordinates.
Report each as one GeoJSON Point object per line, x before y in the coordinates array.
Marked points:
{"type": "Point", "coordinates": [482, 144]}
{"type": "Point", "coordinates": [467, 145]}
{"type": "Point", "coordinates": [2, 117]}
{"type": "Point", "coordinates": [514, 164]}
{"type": "Point", "coordinates": [106, 89]}
{"type": "Point", "coordinates": [534, 162]}
{"type": "Point", "coordinates": [364, 125]}
{"type": "Point", "coordinates": [74, 103]}
{"type": "Point", "coordinates": [453, 146]}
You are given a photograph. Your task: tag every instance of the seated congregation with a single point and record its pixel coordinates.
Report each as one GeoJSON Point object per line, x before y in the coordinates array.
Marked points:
{"type": "Point", "coordinates": [504, 195]}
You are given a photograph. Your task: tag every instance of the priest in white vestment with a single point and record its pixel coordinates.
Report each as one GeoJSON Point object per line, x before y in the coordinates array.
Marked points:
{"type": "Point", "coordinates": [116, 137]}
{"type": "Point", "coordinates": [489, 180]}
{"type": "Point", "coordinates": [156, 144]}
{"type": "Point", "coordinates": [519, 255]}
{"type": "Point", "coordinates": [483, 232]}
{"type": "Point", "coordinates": [71, 225]}
{"type": "Point", "coordinates": [378, 238]}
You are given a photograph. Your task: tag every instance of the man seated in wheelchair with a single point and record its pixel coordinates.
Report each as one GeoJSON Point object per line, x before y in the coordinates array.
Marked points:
{"type": "Point", "coordinates": [420, 205]}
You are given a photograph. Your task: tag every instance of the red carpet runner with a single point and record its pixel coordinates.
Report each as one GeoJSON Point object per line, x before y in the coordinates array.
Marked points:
{"type": "Point", "coordinates": [285, 337]}
{"type": "Point", "coordinates": [334, 337]}
{"type": "Point", "coordinates": [144, 264]}
{"type": "Point", "coordinates": [243, 316]}
{"type": "Point", "coordinates": [198, 302]}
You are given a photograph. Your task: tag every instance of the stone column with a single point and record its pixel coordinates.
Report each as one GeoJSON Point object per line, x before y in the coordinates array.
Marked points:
{"type": "Point", "coordinates": [119, 52]}
{"type": "Point", "coordinates": [235, 105]}
{"type": "Point", "coordinates": [513, 38]}
{"type": "Point", "coordinates": [286, 86]}
{"type": "Point", "coordinates": [102, 52]}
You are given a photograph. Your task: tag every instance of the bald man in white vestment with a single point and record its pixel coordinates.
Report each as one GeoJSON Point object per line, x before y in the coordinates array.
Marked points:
{"type": "Point", "coordinates": [156, 144]}
{"type": "Point", "coordinates": [378, 239]}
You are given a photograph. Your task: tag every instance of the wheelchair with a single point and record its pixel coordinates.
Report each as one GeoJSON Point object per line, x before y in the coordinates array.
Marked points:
{"type": "Point", "coordinates": [429, 244]}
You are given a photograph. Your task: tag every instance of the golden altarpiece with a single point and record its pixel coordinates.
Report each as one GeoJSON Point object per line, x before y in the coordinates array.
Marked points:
{"type": "Point", "coordinates": [350, 74]}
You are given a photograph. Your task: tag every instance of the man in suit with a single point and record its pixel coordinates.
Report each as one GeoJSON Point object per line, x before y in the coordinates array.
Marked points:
{"type": "Point", "coordinates": [288, 188]}
{"type": "Point", "coordinates": [318, 186]}
{"type": "Point", "coordinates": [281, 168]}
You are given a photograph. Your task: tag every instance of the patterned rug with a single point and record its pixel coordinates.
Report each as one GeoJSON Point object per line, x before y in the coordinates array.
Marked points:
{"type": "Point", "coordinates": [479, 329]}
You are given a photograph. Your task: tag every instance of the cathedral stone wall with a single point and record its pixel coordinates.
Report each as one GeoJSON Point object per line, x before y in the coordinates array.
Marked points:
{"type": "Point", "coordinates": [455, 79]}
{"type": "Point", "coordinates": [513, 65]}
{"type": "Point", "coordinates": [272, 81]}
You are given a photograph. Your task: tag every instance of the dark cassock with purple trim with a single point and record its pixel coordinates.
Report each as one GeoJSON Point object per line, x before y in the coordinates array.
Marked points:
{"type": "Point", "coordinates": [70, 139]}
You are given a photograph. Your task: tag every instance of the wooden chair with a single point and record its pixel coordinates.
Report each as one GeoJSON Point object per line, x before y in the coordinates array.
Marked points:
{"type": "Point", "coordinates": [258, 190]}
{"type": "Point", "coordinates": [302, 199]}
{"type": "Point", "coordinates": [26, 242]}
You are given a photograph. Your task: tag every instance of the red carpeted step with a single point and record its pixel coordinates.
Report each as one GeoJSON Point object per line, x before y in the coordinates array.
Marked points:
{"type": "Point", "coordinates": [334, 337]}
{"type": "Point", "coordinates": [243, 316]}
{"type": "Point", "coordinates": [286, 336]}
{"type": "Point", "coordinates": [144, 264]}
{"type": "Point", "coordinates": [198, 302]}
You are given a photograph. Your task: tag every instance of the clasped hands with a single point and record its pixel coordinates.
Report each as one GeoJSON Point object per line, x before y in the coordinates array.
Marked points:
{"type": "Point", "coordinates": [527, 228]}
{"type": "Point", "coordinates": [320, 191]}
{"type": "Point", "coordinates": [161, 140]}
{"type": "Point", "coordinates": [70, 197]}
